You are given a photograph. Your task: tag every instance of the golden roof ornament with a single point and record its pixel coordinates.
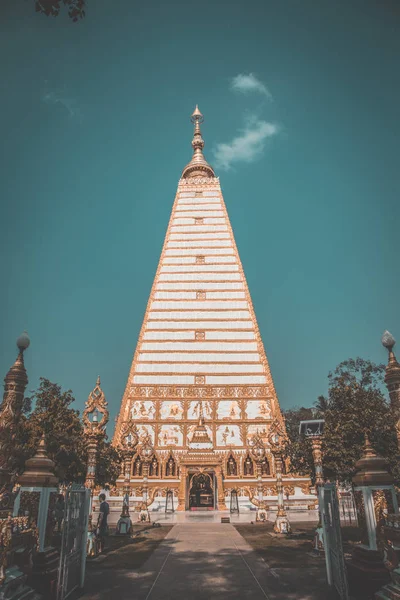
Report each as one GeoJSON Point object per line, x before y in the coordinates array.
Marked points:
{"type": "Point", "coordinates": [198, 166]}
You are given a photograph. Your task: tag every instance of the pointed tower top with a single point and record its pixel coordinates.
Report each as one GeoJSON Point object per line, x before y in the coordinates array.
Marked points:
{"type": "Point", "coordinates": [17, 372]}
{"type": "Point", "coordinates": [371, 467]}
{"type": "Point", "coordinates": [393, 367]}
{"type": "Point", "coordinates": [197, 116]}
{"type": "Point", "coordinates": [198, 166]}
{"type": "Point", "coordinates": [39, 470]}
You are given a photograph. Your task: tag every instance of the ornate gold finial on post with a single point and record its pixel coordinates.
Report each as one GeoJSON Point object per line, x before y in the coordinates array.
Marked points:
{"type": "Point", "coordinates": [15, 383]}
{"type": "Point", "coordinates": [276, 438]}
{"type": "Point", "coordinates": [146, 454]}
{"type": "Point", "coordinates": [392, 380]}
{"type": "Point", "coordinates": [95, 418]}
{"type": "Point", "coordinates": [128, 443]}
{"type": "Point", "coordinates": [198, 166]}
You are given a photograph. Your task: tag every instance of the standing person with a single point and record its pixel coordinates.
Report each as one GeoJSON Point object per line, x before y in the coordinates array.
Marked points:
{"type": "Point", "coordinates": [102, 526]}
{"type": "Point", "coordinates": [59, 512]}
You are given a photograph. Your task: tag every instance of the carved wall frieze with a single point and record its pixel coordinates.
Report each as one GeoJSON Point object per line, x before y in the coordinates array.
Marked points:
{"type": "Point", "coordinates": [205, 391]}
{"type": "Point", "coordinates": [195, 181]}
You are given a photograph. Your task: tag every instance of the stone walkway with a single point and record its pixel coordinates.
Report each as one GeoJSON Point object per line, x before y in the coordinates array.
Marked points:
{"type": "Point", "coordinates": [196, 561]}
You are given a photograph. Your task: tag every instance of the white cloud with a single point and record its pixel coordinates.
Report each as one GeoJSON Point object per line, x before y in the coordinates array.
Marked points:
{"type": "Point", "coordinates": [247, 146]}
{"type": "Point", "coordinates": [62, 98]}
{"type": "Point", "coordinates": [249, 83]}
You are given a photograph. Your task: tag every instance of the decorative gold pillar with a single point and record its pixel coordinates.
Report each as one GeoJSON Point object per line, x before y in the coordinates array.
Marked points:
{"type": "Point", "coordinates": [221, 490]}
{"type": "Point", "coordinates": [375, 498]}
{"type": "Point", "coordinates": [392, 380]}
{"type": "Point", "coordinates": [146, 453]}
{"type": "Point", "coordinates": [182, 488]}
{"type": "Point", "coordinates": [15, 383]}
{"type": "Point", "coordinates": [277, 440]}
{"type": "Point", "coordinates": [94, 429]}
{"type": "Point", "coordinates": [317, 457]}
{"type": "Point", "coordinates": [129, 441]}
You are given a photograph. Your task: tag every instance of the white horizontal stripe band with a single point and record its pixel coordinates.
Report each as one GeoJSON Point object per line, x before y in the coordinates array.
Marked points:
{"type": "Point", "coordinates": [228, 251]}
{"type": "Point", "coordinates": [198, 305]}
{"type": "Point", "coordinates": [175, 285]}
{"type": "Point", "coordinates": [192, 295]}
{"type": "Point", "coordinates": [200, 325]}
{"type": "Point", "coordinates": [210, 357]}
{"type": "Point", "coordinates": [179, 346]}
{"type": "Point", "coordinates": [199, 268]}
{"type": "Point", "coordinates": [198, 368]}
{"type": "Point", "coordinates": [199, 277]}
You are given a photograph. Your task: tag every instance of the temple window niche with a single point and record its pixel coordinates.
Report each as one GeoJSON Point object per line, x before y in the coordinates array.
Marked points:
{"type": "Point", "coordinates": [137, 467]}
{"type": "Point", "coordinates": [153, 471]}
{"type": "Point", "coordinates": [248, 466]}
{"type": "Point", "coordinates": [170, 467]}
{"type": "Point", "coordinates": [265, 468]}
{"type": "Point", "coordinates": [231, 466]}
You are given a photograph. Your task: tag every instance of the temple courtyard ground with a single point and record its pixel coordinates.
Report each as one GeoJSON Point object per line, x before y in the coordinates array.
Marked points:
{"type": "Point", "coordinates": [206, 560]}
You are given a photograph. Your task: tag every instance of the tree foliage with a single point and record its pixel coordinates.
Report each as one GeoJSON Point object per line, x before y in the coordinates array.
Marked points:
{"type": "Point", "coordinates": [298, 448]}
{"type": "Point", "coordinates": [76, 8]}
{"type": "Point", "coordinates": [53, 415]}
{"type": "Point", "coordinates": [355, 405]}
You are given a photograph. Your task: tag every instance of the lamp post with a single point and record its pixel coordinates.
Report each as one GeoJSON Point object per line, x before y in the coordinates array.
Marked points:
{"type": "Point", "coordinates": [146, 453]}
{"type": "Point", "coordinates": [95, 418]}
{"type": "Point", "coordinates": [276, 439]}
{"type": "Point", "coordinates": [129, 441]}
{"type": "Point", "coordinates": [258, 452]}
{"type": "Point", "coordinates": [392, 380]}
{"type": "Point", "coordinates": [313, 430]}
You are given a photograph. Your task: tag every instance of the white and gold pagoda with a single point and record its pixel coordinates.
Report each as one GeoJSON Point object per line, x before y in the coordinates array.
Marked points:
{"type": "Point", "coordinates": [200, 388]}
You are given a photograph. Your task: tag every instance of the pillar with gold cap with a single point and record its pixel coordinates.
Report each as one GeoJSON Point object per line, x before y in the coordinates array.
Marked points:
{"type": "Point", "coordinates": [15, 383]}
{"type": "Point", "coordinates": [375, 498]}
{"type": "Point", "coordinates": [392, 380]}
{"type": "Point", "coordinates": [38, 494]}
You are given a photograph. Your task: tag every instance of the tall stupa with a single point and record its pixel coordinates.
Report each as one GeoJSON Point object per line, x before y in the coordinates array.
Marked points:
{"type": "Point", "coordinates": [200, 387]}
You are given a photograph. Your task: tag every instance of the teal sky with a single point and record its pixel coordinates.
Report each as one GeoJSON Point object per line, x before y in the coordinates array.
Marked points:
{"type": "Point", "coordinates": [95, 132]}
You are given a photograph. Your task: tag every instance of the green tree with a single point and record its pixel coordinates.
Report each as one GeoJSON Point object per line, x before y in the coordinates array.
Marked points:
{"type": "Point", "coordinates": [76, 8]}
{"type": "Point", "coordinates": [357, 405]}
{"type": "Point", "coordinates": [298, 448]}
{"type": "Point", "coordinates": [53, 415]}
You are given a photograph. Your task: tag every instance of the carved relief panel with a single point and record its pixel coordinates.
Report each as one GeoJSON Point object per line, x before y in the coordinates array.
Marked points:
{"type": "Point", "coordinates": [229, 435]}
{"type": "Point", "coordinates": [143, 409]}
{"type": "Point", "coordinates": [170, 435]}
{"type": "Point", "coordinates": [228, 410]}
{"type": "Point", "coordinates": [258, 409]}
{"type": "Point", "coordinates": [171, 409]}
{"type": "Point", "coordinates": [194, 409]}
{"type": "Point", "coordinates": [259, 429]}
{"type": "Point", "coordinates": [144, 429]}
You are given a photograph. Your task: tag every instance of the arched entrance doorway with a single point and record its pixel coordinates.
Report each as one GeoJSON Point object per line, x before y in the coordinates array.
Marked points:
{"type": "Point", "coordinates": [201, 490]}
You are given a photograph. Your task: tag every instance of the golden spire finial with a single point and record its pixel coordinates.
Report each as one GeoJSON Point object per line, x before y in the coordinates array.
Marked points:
{"type": "Point", "coordinates": [198, 166]}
